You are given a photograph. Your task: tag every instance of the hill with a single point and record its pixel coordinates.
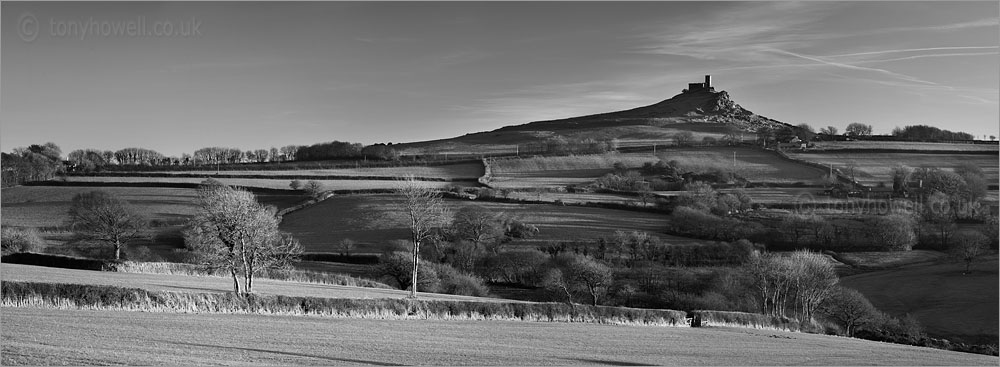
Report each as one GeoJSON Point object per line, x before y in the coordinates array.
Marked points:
{"type": "Point", "coordinates": [700, 110]}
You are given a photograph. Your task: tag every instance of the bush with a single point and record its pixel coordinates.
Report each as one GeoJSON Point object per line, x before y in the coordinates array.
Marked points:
{"type": "Point", "coordinates": [14, 240]}
{"type": "Point", "coordinates": [454, 282]}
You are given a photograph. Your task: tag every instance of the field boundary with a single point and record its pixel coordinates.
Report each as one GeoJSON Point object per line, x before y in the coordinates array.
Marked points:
{"type": "Point", "coordinates": [265, 177]}
{"type": "Point", "coordinates": [78, 296]}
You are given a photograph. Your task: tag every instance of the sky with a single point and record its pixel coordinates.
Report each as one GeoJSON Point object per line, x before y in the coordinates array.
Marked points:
{"type": "Point", "coordinates": [176, 77]}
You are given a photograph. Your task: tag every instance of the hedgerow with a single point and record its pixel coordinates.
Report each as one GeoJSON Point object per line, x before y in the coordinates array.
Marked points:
{"type": "Point", "coordinates": [75, 296]}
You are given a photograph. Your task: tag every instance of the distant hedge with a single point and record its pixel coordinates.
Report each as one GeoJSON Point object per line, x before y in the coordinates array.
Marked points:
{"type": "Point", "coordinates": [117, 298]}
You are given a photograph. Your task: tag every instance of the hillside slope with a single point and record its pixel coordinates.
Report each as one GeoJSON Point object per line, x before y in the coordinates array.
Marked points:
{"type": "Point", "coordinates": [703, 112]}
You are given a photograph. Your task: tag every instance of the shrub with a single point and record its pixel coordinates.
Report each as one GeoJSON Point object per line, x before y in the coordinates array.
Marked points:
{"type": "Point", "coordinates": [453, 281]}
{"type": "Point", "coordinates": [14, 240]}
{"type": "Point", "coordinates": [295, 185]}
{"type": "Point", "coordinates": [398, 266]}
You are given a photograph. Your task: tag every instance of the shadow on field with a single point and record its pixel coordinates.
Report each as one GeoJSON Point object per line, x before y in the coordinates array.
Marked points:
{"type": "Point", "coordinates": [348, 360]}
{"type": "Point", "coordinates": [607, 363]}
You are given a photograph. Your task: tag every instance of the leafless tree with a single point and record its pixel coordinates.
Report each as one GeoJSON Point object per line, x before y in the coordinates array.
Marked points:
{"type": "Point", "coordinates": [969, 246]}
{"type": "Point", "coordinates": [426, 211]}
{"type": "Point", "coordinates": [233, 231]}
{"type": "Point", "coordinates": [102, 217]}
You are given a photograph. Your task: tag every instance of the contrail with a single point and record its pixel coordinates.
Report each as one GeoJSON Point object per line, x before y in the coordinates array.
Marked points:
{"type": "Point", "coordinates": [915, 50]}
{"type": "Point", "coordinates": [932, 55]}
{"type": "Point", "coordinates": [854, 67]}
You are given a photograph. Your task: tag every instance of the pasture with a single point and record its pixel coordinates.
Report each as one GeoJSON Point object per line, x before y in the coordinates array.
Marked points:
{"type": "Point", "coordinates": [875, 168]}
{"type": "Point", "coordinates": [373, 220]}
{"type": "Point", "coordinates": [35, 336]}
{"type": "Point", "coordinates": [949, 304]}
{"type": "Point", "coordinates": [279, 184]}
{"type": "Point", "coordinates": [201, 284]}
{"type": "Point", "coordinates": [466, 171]}
{"type": "Point", "coordinates": [905, 145]}
{"type": "Point", "coordinates": [753, 164]}
{"type": "Point", "coordinates": [46, 208]}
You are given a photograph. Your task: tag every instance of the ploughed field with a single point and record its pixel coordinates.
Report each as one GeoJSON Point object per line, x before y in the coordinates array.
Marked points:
{"type": "Point", "coordinates": [372, 220]}
{"type": "Point", "coordinates": [34, 336]}
{"type": "Point", "coordinates": [753, 164]}
{"type": "Point", "coordinates": [875, 168]}
{"type": "Point", "coordinates": [948, 303]}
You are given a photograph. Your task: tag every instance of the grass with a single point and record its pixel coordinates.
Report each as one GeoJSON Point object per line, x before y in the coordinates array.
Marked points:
{"type": "Point", "coordinates": [281, 184]}
{"type": "Point", "coordinates": [47, 206]}
{"type": "Point", "coordinates": [875, 260]}
{"type": "Point", "coordinates": [873, 168]}
{"type": "Point", "coordinates": [373, 220]}
{"type": "Point", "coordinates": [83, 296]}
{"type": "Point", "coordinates": [200, 284]}
{"type": "Point", "coordinates": [34, 336]}
{"type": "Point", "coordinates": [746, 320]}
{"type": "Point", "coordinates": [294, 275]}
{"type": "Point", "coordinates": [900, 145]}
{"type": "Point", "coordinates": [754, 164]}
{"type": "Point", "coordinates": [451, 171]}
{"type": "Point", "coordinates": [946, 302]}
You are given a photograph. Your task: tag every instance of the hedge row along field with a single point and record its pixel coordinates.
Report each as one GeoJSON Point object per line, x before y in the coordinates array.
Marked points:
{"type": "Point", "coordinates": [78, 296]}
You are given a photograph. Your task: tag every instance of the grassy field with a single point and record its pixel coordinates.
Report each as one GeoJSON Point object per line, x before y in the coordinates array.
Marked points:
{"type": "Point", "coordinates": [281, 184]}
{"type": "Point", "coordinates": [905, 145]}
{"type": "Point", "coordinates": [753, 164]}
{"type": "Point", "coordinates": [46, 207]}
{"type": "Point", "coordinates": [947, 303]}
{"type": "Point", "coordinates": [200, 284]}
{"type": "Point", "coordinates": [48, 337]}
{"type": "Point", "coordinates": [372, 220]}
{"type": "Point", "coordinates": [451, 171]}
{"type": "Point", "coordinates": [873, 168]}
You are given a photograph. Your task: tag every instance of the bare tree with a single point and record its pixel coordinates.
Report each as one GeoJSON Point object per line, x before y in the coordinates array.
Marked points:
{"type": "Point", "coordinates": [313, 188]}
{"type": "Point", "coordinates": [968, 246]}
{"type": "Point", "coordinates": [849, 308]}
{"type": "Point", "coordinates": [233, 231]}
{"type": "Point", "coordinates": [555, 282]}
{"type": "Point", "coordinates": [829, 130]}
{"type": "Point", "coordinates": [482, 227]}
{"type": "Point", "coordinates": [99, 216]}
{"type": "Point", "coordinates": [426, 211]}
{"type": "Point", "coordinates": [858, 129]}
{"type": "Point", "coordinates": [592, 276]}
